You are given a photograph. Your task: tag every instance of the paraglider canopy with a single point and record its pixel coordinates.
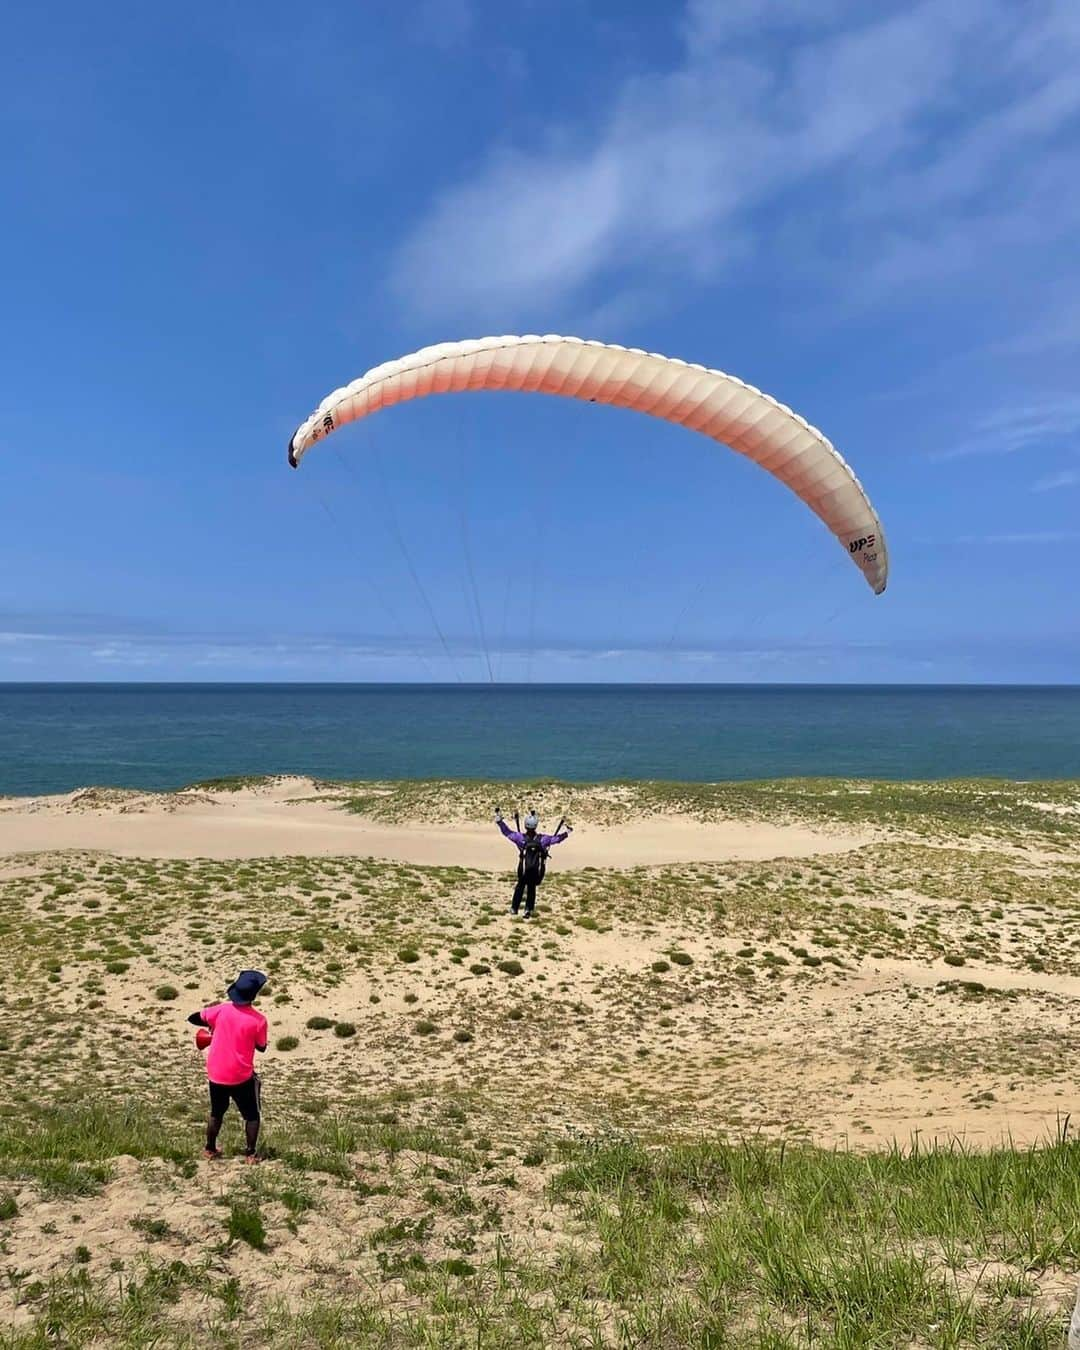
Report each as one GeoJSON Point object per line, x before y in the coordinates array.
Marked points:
{"type": "Point", "coordinates": [708, 401]}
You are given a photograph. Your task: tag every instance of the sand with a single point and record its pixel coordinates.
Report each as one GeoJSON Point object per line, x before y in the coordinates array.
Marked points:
{"type": "Point", "coordinates": [295, 818]}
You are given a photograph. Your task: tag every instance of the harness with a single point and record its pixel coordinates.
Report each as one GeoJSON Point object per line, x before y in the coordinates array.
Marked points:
{"type": "Point", "coordinates": [532, 860]}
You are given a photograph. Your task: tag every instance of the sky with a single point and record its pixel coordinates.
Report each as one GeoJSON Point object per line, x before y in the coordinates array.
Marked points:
{"type": "Point", "coordinates": [214, 215]}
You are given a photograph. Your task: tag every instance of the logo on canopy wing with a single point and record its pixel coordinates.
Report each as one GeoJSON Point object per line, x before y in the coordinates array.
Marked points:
{"type": "Point", "coordinates": [323, 429]}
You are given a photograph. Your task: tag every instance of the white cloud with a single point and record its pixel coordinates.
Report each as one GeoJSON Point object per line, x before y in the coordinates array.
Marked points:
{"type": "Point", "coordinates": [190, 656]}
{"type": "Point", "coordinates": [1029, 537]}
{"type": "Point", "coordinates": [16, 638]}
{"type": "Point", "coordinates": [1050, 421]}
{"type": "Point", "coordinates": [1056, 330]}
{"type": "Point", "coordinates": [1052, 482]}
{"type": "Point", "coordinates": [924, 119]}
{"type": "Point", "coordinates": [101, 651]}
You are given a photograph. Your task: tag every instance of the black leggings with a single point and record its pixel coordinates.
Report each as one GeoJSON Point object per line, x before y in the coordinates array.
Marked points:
{"type": "Point", "coordinates": [527, 884]}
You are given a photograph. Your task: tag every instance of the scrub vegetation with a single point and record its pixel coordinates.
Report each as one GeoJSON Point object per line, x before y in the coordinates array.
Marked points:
{"type": "Point", "coordinates": [979, 808]}
{"type": "Point", "coordinates": [662, 1113]}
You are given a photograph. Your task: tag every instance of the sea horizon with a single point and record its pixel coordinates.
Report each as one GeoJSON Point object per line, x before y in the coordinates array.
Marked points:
{"type": "Point", "coordinates": [157, 735]}
{"type": "Point", "coordinates": [545, 684]}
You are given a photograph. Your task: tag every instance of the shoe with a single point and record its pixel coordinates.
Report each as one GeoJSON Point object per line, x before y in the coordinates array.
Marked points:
{"type": "Point", "coordinates": [528, 913]}
{"type": "Point", "coordinates": [252, 1158]}
{"type": "Point", "coordinates": [211, 1153]}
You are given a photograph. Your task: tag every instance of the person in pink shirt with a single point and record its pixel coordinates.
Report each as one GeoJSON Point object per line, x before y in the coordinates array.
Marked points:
{"type": "Point", "coordinates": [237, 1032]}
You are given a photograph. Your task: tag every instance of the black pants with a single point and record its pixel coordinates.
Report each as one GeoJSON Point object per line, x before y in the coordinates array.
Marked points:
{"type": "Point", "coordinates": [527, 884]}
{"type": "Point", "coordinates": [245, 1095]}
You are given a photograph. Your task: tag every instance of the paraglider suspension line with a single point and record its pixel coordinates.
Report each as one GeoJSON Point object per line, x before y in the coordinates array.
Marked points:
{"type": "Point", "coordinates": [395, 529]}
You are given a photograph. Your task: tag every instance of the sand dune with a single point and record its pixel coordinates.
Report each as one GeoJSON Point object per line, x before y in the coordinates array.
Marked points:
{"type": "Point", "coordinates": [294, 818]}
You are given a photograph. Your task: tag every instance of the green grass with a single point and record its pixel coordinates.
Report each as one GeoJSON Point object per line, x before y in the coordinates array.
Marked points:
{"type": "Point", "coordinates": [706, 1243]}
{"type": "Point", "coordinates": [245, 1224]}
{"type": "Point", "coordinates": [855, 1251]}
{"type": "Point", "coordinates": [70, 1152]}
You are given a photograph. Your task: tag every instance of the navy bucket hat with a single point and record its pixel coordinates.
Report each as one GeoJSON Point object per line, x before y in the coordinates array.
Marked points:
{"type": "Point", "coordinates": [245, 987]}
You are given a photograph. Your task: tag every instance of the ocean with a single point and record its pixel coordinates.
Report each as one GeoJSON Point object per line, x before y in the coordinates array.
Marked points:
{"type": "Point", "coordinates": [54, 738]}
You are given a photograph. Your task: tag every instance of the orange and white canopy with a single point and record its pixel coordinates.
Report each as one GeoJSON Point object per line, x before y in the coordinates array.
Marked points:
{"type": "Point", "coordinates": [716, 405]}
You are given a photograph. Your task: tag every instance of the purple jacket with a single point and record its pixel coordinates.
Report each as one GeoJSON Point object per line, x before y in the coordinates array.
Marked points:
{"type": "Point", "coordinates": [517, 836]}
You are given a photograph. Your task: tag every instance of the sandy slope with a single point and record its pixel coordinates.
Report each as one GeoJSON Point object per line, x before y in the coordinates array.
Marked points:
{"type": "Point", "coordinates": [288, 819]}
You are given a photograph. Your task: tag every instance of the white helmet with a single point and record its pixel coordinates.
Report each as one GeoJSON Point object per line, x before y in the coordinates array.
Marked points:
{"type": "Point", "coordinates": [532, 820]}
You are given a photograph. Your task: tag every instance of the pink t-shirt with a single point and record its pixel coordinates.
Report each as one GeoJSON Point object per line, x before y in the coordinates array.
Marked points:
{"type": "Point", "coordinates": [238, 1032]}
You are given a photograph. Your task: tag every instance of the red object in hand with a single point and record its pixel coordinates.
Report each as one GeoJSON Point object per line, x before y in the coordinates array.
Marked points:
{"type": "Point", "coordinates": [203, 1037]}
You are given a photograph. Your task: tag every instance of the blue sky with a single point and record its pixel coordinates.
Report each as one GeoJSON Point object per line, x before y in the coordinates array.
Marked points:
{"type": "Point", "coordinates": [213, 215]}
